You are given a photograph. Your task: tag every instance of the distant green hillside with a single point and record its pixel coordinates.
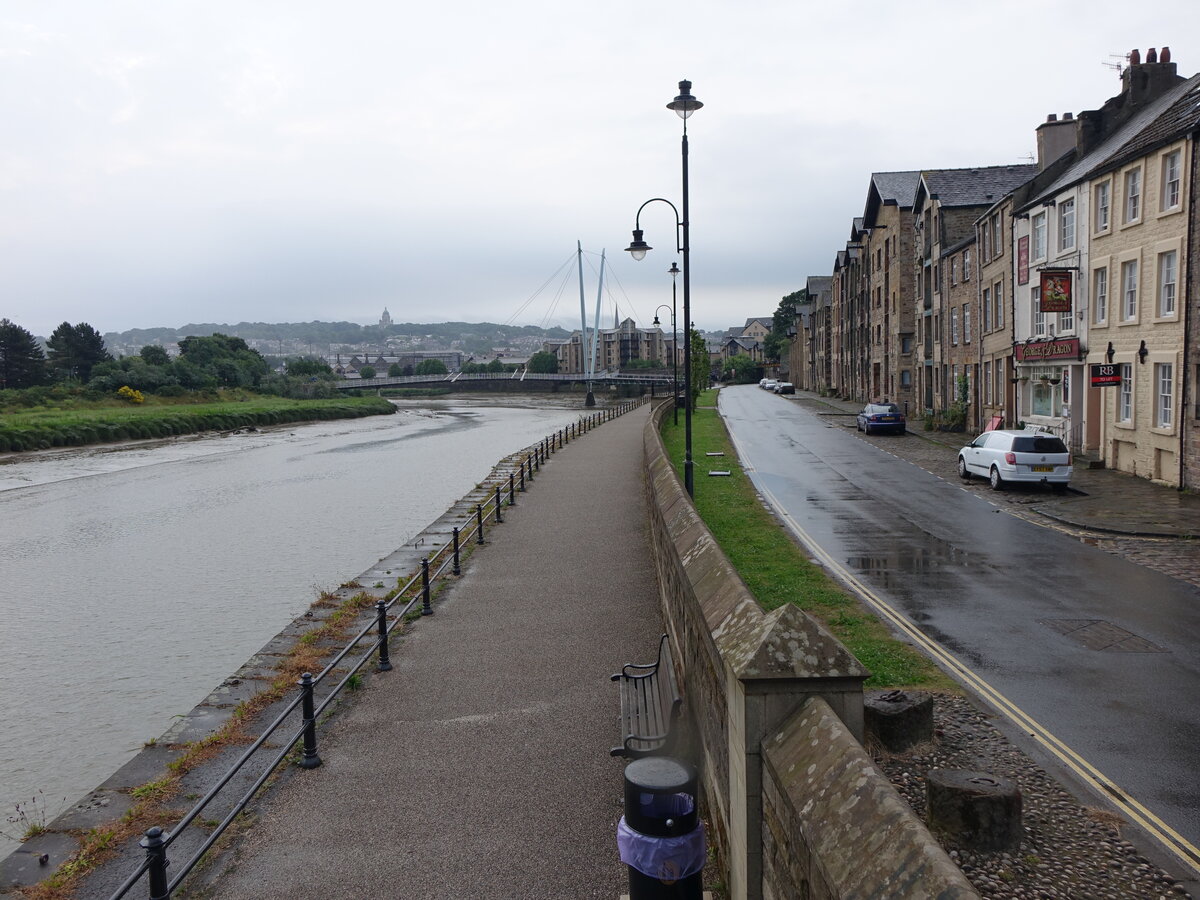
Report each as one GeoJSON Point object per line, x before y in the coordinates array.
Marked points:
{"type": "Point", "coordinates": [477, 336]}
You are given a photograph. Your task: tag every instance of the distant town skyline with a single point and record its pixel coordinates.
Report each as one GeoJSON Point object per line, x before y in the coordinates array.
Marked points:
{"type": "Point", "coordinates": [166, 165]}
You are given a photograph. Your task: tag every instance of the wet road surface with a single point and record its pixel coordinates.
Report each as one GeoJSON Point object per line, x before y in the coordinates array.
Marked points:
{"type": "Point", "coordinates": [1098, 650]}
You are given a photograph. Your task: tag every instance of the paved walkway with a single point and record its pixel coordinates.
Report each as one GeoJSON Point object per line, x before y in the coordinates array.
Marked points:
{"type": "Point", "coordinates": [479, 766]}
{"type": "Point", "coordinates": [1102, 499]}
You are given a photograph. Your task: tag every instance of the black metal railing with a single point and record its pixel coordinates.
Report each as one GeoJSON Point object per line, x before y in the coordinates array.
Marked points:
{"type": "Point", "coordinates": [418, 590]}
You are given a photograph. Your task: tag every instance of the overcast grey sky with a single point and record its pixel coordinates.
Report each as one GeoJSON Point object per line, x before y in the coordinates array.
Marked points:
{"type": "Point", "coordinates": [172, 162]}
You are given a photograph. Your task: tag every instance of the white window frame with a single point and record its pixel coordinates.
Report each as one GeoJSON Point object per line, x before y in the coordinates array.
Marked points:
{"type": "Point", "coordinates": [1100, 295]}
{"type": "Point", "coordinates": [1170, 195]}
{"type": "Point", "coordinates": [985, 309]}
{"type": "Point", "coordinates": [1129, 290]}
{"type": "Point", "coordinates": [1039, 317]}
{"type": "Point", "coordinates": [1164, 396]}
{"type": "Point", "coordinates": [1125, 397]}
{"type": "Point", "coordinates": [966, 268]}
{"type": "Point", "coordinates": [1066, 225]}
{"type": "Point", "coordinates": [954, 326]}
{"type": "Point", "coordinates": [1037, 241]}
{"type": "Point", "coordinates": [998, 299]}
{"type": "Point", "coordinates": [966, 323]}
{"type": "Point", "coordinates": [1168, 290]}
{"type": "Point", "coordinates": [1102, 202]}
{"type": "Point", "coordinates": [987, 381]}
{"type": "Point", "coordinates": [1132, 196]}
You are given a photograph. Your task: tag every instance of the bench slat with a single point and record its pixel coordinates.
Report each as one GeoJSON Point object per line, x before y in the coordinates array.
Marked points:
{"type": "Point", "coordinates": [649, 703]}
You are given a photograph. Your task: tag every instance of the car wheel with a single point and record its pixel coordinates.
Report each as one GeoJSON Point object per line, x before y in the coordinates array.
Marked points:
{"type": "Point", "coordinates": [963, 472]}
{"type": "Point", "coordinates": [867, 430]}
{"type": "Point", "coordinates": [995, 480]}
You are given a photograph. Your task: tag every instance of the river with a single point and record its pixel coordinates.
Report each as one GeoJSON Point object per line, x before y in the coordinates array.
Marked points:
{"type": "Point", "coordinates": [134, 579]}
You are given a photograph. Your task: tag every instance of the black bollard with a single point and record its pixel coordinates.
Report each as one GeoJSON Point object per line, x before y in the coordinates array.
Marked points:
{"type": "Point", "coordinates": [426, 609]}
{"type": "Point", "coordinates": [156, 862]}
{"type": "Point", "coordinates": [512, 496]}
{"type": "Point", "coordinates": [456, 570]}
{"type": "Point", "coordinates": [479, 523]}
{"type": "Point", "coordinates": [310, 759]}
{"type": "Point", "coordinates": [499, 518]}
{"type": "Point", "coordinates": [385, 664]}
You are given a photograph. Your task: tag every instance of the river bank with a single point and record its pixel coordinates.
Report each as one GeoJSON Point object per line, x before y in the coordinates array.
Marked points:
{"type": "Point", "coordinates": [42, 428]}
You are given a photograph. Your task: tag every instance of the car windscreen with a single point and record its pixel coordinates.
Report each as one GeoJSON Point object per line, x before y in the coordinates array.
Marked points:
{"type": "Point", "coordinates": [1039, 444]}
{"type": "Point", "coordinates": [876, 409]}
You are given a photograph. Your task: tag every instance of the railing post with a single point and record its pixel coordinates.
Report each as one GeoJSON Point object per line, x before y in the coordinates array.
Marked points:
{"type": "Point", "coordinates": [537, 457]}
{"type": "Point", "coordinates": [310, 759]}
{"type": "Point", "coordinates": [479, 523]}
{"type": "Point", "coordinates": [456, 570]}
{"type": "Point", "coordinates": [426, 609]}
{"type": "Point", "coordinates": [521, 470]}
{"type": "Point", "coordinates": [385, 664]}
{"type": "Point", "coordinates": [512, 495]}
{"type": "Point", "coordinates": [499, 519]}
{"type": "Point", "coordinates": [156, 857]}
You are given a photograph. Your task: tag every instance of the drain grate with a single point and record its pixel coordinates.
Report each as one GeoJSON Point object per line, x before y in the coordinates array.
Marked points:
{"type": "Point", "coordinates": [1096, 634]}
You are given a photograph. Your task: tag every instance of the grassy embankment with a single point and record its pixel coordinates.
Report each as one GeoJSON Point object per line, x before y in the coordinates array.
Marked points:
{"type": "Point", "coordinates": [774, 566]}
{"type": "Point", "coordinates": [82, 422]}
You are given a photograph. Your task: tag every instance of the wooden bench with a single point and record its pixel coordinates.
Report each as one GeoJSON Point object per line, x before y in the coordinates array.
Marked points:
{"type": "Point", "coordinates": [650, 704]}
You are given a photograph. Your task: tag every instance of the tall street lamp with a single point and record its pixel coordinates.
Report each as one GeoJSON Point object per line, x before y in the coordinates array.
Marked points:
{"type": "Point", "coordinates": [684, 105]}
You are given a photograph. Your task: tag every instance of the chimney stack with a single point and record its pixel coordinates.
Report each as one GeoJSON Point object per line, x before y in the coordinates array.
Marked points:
{"type": "Point", "coordinates": [1054, 138]}
{"type": "Point", "coordinates": [1141, 83]}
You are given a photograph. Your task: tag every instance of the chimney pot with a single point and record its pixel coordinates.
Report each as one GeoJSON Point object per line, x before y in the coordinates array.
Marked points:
{"type": "Point", "coordinates": [1165, 56]}
{"type": "Point", "coordinates": [1151, 55]}
{"type": "Point", "coordinates": [1135, 57]}
{"type": "Point", "coordinates": [1052, 117]}
{"type": "Point", "coordinates": [1067, 117]}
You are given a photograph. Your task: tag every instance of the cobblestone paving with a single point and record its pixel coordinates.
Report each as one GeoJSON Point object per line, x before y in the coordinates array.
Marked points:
{"type": "Point", "coordinates": [1177, 557]}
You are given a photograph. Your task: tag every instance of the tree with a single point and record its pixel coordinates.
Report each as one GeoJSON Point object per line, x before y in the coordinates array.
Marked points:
{"type": "Point", "coordinates": [75, 349]}
{"type": "Point", "coordinates": [743, 369]}
{"type": "Point", "coordinates": [701, 365]}
{"type": "Point", "coordinates": [395, 370]}
{"type": "Point", "coordinates": [22, 360]}
{"type": "Point", "coordinates": [308, 365]}
{"type": "Point", "coordinates": [431, 367]}
{"type": "Point", "coordinates": [495, 365]}
{"type": "Point", "coordinates": [543, 363]}
{"type": "Point", "coordinates": [225, 360]}
{"type": "Point", "coordinates": [367, 371]}
{"type": "Point", "coordinates": [154, 355]}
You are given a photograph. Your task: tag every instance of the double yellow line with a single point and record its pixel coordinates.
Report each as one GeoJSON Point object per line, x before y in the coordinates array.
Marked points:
{"type": "Point", "coordinates": [1170, 839]}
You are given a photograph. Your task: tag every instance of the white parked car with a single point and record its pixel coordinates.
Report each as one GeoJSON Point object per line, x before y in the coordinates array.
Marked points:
{"type": "Point", "coordinates": [767, 384]}
{"type": "Point", "coordinates": [1010, 455]}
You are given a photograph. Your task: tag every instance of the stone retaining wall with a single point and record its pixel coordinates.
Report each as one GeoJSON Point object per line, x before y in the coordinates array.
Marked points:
{"type": "Point", "coordinates": [748, 677]}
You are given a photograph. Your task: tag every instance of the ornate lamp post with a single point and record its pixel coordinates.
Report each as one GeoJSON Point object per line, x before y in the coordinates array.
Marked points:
{"type": "Point", "coordinates": [684, 105]}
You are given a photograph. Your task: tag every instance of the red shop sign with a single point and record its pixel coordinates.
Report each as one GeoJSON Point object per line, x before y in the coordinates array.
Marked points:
{"type": "Point", "coordinates": [1067, 348]}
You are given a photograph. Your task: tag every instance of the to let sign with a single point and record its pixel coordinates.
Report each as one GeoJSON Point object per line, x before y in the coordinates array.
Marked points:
{"type": "Point", "coordinates": [1105, 375]}
{"type": "Point", "coordinates": [1056, 290]}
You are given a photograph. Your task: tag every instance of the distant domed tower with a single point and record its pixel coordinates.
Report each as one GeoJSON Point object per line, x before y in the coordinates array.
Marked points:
{"type": "Point", "coordinates": [385, 321]}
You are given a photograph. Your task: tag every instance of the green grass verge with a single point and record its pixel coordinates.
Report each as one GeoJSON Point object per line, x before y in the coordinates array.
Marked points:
{"type": "Point", "coordinates": [44, 427]}
{"type": "Point", "coordinates": [775, 568]}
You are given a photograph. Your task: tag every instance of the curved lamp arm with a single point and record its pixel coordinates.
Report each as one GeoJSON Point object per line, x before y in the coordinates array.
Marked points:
{"type": "Point", "coordinates": [637, 247]}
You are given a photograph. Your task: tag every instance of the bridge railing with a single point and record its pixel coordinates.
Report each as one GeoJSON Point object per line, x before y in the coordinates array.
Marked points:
{"type": "Point", "coordinates": [455, 377]}
{"type": "Point", "coordinates": [413, 598]}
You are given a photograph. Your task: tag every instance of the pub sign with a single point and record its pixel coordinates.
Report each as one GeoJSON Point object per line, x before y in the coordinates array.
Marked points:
{"type": "Point", "coordinates": [1023, 259]}
{"type": "Point", "coordinates": [1056, 290]}
{"type": "Point", "coordinates": [1105, 375]}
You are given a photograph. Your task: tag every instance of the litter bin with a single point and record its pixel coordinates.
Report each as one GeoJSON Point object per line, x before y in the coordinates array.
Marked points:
{"type": "Point", "coordinates": [660, 837]}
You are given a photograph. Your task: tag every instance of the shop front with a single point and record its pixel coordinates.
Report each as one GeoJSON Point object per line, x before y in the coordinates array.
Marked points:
{"type": "Point", "coordinates": [1049, 382]}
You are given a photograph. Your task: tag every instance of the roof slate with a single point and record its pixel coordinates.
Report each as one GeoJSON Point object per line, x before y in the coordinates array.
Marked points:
{"type": "Point", "coordinates": [980, 186]}
{"type": "Point", "coordinates": [896, 187]}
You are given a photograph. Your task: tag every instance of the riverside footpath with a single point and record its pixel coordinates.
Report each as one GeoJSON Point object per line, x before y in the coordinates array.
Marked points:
{"type": "Point", "coordinates": [479, 766]}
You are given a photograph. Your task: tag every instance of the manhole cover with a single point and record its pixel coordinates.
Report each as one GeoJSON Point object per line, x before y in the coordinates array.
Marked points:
{"type": "Point", "coordinates": [1096, 634]}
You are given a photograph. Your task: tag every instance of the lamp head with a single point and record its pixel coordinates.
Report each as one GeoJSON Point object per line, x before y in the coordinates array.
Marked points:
{"type": "Point", "coordinates": [656, 322]}
{"type": "Point", "coordinates": [685, 104]}
{"type": "Point", "coordinates": [637, 247]}
{"type": "Point", "coordinates": [673, 271]}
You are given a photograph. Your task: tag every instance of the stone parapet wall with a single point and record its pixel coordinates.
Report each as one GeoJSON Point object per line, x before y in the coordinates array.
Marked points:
{"type": "Point", "coordinates": [745, 675]}
{"type": "Point", "coordinates": [833, 826]}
